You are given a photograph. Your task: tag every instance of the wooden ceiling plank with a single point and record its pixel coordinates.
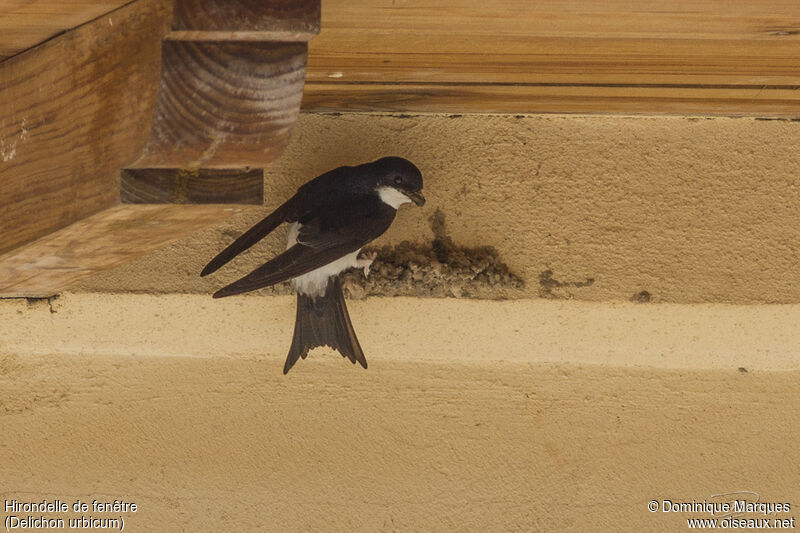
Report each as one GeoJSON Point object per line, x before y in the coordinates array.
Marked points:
{"type": "Point", "coordinates": [53, 263]}
{"type": "Point", "coordinates": [26, 23]}
{"type": "Point", "coordinates": [409, 56]}
{"type": "Point", "coordinates": [479, 98]}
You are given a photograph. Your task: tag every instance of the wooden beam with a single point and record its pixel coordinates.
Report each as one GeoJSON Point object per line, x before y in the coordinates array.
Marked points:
{"type": "Point", "coordinates": [231, 83]}
{"type": "Point", "coordinates": [223, 104]}
{"type": "Point", "coordinates": [55, 262]}
{"type": "Point", "coordinates": [556, 56]}
{"type": "Point", "coordinates": [500, 98]}
{"type": "Point", "coordinates": [192, 186]}
{"type": "Point", "coordinates": [26, 23]}
{"type": "Point", "coordinates": [255, 36]}
{"type": "Point", "coordinates": [72, 112]}
{"type": "Point", "coordinates": [80, 107]}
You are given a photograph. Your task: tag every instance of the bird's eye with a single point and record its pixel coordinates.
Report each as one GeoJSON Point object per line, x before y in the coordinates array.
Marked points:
{"type": "Point", "coordinates": [398, 180]}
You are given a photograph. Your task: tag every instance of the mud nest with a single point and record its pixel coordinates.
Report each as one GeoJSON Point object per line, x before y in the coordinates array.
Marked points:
{"type": "Point", "coordinates": [438, 270]}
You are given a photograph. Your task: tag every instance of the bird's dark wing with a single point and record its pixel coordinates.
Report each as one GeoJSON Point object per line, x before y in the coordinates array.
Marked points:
{"type": "Point", "coordinates": [247, 239]}
{"type": "Point", "coordinates": [330, 187]}
{"type": "Point", "coordinates": [334, 232]}
{"type": "Point", "coordinates": [295, 261]}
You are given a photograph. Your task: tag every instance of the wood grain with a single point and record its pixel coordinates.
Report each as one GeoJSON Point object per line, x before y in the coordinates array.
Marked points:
{"type": "Point", "coordinates": [241, 36]}
{"type": "Point", "coordinates": [53, 263]}
{"type": "Point", "coordinates": [224, 104]}
{"type": "Point", "coordinates": [192, 186]}
{"type": "Point", "coordinates": [247, 15]}
{"type": "Point", "coordinates": [72, 112]}
{"type": "Point", "coordinates": [518, 56]}
{"type": "Point", "coordinates": [26, 23]}
{"type": "Point", "coordinates": [79, 107]}
{"type": "Point", "coordinates": [500, 98]}
{"type": "Point", "coordinates": [232, 82]}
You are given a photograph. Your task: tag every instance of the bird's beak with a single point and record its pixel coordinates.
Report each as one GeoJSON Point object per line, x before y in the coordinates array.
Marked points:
{"type": "Point", "coordinates": [416, 197]}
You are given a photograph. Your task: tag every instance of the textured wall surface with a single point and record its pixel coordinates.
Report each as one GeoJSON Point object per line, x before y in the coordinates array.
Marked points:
{"type": "Point", "coordinates": [474, 415]}
{"type": "Point", "coordinates": [226, 445]}
{"type": "Point", "coordinates": [437, 331]}
{"type": "Point", "coordinates": [587, 207]}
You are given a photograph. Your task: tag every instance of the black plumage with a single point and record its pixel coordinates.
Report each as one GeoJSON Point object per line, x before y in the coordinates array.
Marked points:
{"type": "Point", "coordinates": [324, 321]}
{"type": "Point", "coordinates": [335, 215]}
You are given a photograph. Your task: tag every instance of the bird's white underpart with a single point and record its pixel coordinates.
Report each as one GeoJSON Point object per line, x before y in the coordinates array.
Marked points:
{"type": "Point", "coordinates": [392, 196]}
{"type": "Point", "coordinates": [315, 282]}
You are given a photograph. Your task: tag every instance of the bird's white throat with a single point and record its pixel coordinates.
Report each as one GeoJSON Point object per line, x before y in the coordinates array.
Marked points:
{"type": "Point", "coordinates": [392, 196]}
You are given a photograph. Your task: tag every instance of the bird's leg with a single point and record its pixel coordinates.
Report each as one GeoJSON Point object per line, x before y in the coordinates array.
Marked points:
{"type": "Point", "coordinates": [365, 262]}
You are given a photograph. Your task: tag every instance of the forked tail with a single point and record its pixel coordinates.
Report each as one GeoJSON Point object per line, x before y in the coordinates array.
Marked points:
{"type": "Point", "coordinates": [324, 321]}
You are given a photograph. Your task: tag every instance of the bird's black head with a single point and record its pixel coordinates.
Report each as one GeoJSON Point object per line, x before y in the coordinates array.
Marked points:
{"type": "Point", "coordinates": [398, 181]}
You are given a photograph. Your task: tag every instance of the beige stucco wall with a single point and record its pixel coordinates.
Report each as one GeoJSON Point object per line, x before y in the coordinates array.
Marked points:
{"type": "Point", "coordinates": [474, 415]}
{"type": "Point", "coordinates": [436, 331]}
{"type": "Point", "coordinates": [687, 209]}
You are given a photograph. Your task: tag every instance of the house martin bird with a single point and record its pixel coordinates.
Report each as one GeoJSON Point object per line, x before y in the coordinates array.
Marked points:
{"type": "Point", "coordinates": [331, 218]}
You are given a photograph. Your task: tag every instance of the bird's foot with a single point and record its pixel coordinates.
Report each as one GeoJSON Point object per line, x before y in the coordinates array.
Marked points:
{"type": "Point", "coordinates": [365, 262]}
